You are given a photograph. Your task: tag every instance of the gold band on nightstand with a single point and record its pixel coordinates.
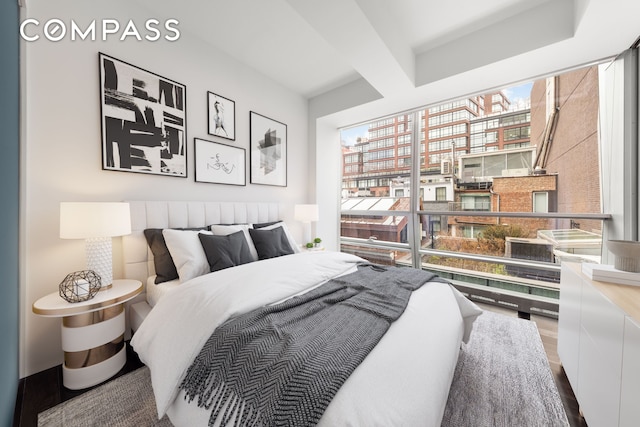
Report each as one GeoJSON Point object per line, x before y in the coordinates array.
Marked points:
{"type": "Point", "coordinates": [84, 358]}
{"type": "Point", "coordinates": [91, 318]}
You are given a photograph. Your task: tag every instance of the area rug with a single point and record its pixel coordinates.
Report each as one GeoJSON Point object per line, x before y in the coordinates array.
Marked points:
{"type": "Point", "coordinates": [502, 379]}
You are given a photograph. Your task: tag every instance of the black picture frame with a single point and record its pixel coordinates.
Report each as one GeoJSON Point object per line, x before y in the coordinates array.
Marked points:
{"type": "Point", "coordinates": [221, 116]}
{"type": "Point", "coordinates": [143, 120]}
{"type": "Point", "coordinates": [218, 163]}
{"type": "Point", "coordinates": [268, 150]}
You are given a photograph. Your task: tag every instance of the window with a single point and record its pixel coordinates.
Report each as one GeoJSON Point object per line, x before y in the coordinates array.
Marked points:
{"type": "Point", "coordinates": [475, 202]}
{"type": "Point", "coordinates": [517, 133]}
{"type": "Point", "coordinates": [380, 143]}
{"type": "Point", "coordinates": [541, 202]}
{"type": "Point", "coordinates": [517, 145]}
{"type": "Point", "coordinates": [516, 119]}
{"type": "Point", "coordinates": [404, 139]}
{"type": "Point", "coordinates": [352, 158]}
{"type": "Point", "coordinates": [470, 231]}
{"type": "Point", "coordinates": [448, 131]}
{"type": "Point", "coordinates": [463, 222]}
{"type": "Point", "coordinates": [446, 144]}
{"type": "Point", "coordinates": [404, 151]}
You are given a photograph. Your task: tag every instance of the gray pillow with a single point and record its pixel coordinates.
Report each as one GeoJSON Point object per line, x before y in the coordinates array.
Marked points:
{"type": "Point", "coordinates": [271, 243]}
{"type": "Point", "coordinates": [162, 261]}
{"type": "Point", "coordinates": [225, 251]}
{"type": "Point", "coordinates": [265, 224]}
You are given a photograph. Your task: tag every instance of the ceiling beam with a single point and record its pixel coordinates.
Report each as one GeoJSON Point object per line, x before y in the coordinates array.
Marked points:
{"type": "Point", "coordinates": [361, 34]}
{"type": "Point", "coordinates": [537, 27]}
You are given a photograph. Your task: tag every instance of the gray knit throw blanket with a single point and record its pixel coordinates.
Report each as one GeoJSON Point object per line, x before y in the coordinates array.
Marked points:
{"type": "Point", "coordinates": [281, 365]}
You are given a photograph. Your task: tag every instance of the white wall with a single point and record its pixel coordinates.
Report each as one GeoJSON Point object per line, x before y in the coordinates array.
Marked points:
{"type": "Point", "coordinates": [61, 144]}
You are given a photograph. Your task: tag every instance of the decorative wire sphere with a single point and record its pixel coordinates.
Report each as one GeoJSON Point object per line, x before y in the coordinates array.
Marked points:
{"type": "Point", "coordinates": [80, 286]}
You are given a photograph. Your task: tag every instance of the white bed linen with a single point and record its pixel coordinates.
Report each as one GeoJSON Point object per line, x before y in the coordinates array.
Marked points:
{"type": "Point", "coordinates": [404, 381]}
{"type": "Point", "coordinates": [156, 291]}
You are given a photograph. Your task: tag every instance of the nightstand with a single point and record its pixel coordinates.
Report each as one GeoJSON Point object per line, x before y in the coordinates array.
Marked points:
{"type": "Point", "coordinates": [92, 332]}
{"type": "Point", "coordinates": [303, 248]}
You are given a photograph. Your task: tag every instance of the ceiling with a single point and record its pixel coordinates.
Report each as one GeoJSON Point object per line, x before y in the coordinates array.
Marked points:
{"type": "Point", "coordinates": [400, 46]}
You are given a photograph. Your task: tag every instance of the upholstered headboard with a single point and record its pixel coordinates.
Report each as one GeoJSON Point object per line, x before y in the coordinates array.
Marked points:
{"type": "Point", "coordinates": [138, 259]}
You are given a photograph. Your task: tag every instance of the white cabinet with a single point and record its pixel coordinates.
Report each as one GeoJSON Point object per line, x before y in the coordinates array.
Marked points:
{"type": "Point", "coordinates": [599, 347]}
{"type": "Point", "coordinates": [569, 325]}
{"type": "Point", "coordinates": [630, 389]}
{"type": "Point", "coordinates": [600, 359]}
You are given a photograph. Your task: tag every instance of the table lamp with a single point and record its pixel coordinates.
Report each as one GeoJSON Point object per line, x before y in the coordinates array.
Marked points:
{"type": "Point", "coordinates": [306, 214]}
{"type": "Point", "coordinates": [97, 223]}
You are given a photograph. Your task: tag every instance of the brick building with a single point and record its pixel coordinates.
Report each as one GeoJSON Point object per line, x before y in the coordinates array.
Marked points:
{"type": "Point", "coordinates": [564, 126]}
{"type": "Point", "coordinates": [534, 193]}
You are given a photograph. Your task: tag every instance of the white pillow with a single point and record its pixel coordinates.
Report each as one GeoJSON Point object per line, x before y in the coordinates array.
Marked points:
{"type": "Point", "coordinates": [187, 253]}
{"type": "Point", "coordinates": [292, 241]}
{"type": "Point", "coordinates": [225, 230]}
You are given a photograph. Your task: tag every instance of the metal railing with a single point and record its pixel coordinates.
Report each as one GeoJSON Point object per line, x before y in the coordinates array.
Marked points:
{"type": "Point", "coordinates": [413, 250]}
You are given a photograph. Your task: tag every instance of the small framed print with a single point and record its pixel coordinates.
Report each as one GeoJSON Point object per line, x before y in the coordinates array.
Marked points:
{"type": "Point", "coordinates": [219, 163]}
{"type": "Point", "coordinates": [222, 116]}
{"type": "Point", "coordinates": [268, 149]}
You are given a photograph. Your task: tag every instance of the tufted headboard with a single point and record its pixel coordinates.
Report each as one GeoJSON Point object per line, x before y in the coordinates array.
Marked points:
{"type": "Point", "coordinates": [138, 259]}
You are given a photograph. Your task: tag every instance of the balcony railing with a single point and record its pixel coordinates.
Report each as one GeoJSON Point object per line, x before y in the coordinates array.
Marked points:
{"type": "Point", "coordinates": [478, 261]}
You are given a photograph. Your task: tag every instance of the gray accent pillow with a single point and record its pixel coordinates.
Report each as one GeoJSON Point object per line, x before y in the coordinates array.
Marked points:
{"type": "Point", "coordinates": [271, 243]}
{"type": "Point", "coordinates": [265, 224]}
{"type": "Point", "coordinates": [225, 251]}
{"type": "Point", "coordinates": [162, 261]}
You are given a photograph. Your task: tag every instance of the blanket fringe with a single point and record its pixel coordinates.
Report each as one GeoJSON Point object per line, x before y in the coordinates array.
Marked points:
{"type": "Point", "coordinates": [225, 405]}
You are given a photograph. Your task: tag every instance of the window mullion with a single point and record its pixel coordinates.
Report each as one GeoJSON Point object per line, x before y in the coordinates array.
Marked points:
{"type": "Point", "coordinates": [414, 191]}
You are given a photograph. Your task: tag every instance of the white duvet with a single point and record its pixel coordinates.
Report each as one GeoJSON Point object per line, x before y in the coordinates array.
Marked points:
{"type": "Point", "coordinates": [404, 381]}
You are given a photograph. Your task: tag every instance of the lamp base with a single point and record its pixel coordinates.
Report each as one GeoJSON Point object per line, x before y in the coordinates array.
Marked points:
{"type": "Point", "coordinates": [99, 259]}
{"type": "Point", "coordinates": [306, 233]}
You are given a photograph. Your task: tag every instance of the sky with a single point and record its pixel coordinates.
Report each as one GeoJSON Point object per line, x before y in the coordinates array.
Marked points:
{"type": "Point", "coordinates": [350, 135]}
{"type": "Point", "coordinates": [516, 94]}
{"type": "Point", "coordinates": [521, 93]}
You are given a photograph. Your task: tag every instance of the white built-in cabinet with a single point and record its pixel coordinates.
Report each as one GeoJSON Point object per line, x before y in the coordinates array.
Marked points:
{"type": "Point", "coordinates": [630, 388]}
{"type": "Point", "coordinates": [599, 347]}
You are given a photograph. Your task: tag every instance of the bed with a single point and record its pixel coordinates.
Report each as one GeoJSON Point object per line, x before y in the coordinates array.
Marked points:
{"type": "Point", "coordinates": [404, 379]}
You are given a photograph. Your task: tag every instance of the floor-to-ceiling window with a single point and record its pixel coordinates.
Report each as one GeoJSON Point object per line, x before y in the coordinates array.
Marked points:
{"type": "Point", "coordinates": [494, 189]}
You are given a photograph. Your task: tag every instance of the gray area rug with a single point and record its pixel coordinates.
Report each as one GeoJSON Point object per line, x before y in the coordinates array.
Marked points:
{"type": "Point", "coordinates": [125, 401]}
{"type": "Point", "coordinates": [502, 379]}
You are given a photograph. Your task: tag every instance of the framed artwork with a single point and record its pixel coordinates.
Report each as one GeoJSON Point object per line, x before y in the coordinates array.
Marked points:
{"type": "Point", "coordinates": [222, 116]}
{"type": "Point", "coordinates": [268, 149]}
{"type": "Point", "coordinates": [219, 163]}
{"type": "Point", "coordinates": [143, 120]}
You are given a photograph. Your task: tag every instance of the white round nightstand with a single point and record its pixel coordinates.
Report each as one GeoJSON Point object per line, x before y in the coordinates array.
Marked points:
{"type": "Point", "coordinates": [92, 332]}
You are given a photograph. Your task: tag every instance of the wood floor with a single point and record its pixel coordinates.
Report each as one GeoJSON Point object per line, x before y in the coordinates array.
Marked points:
{"type": "Point", "coordinates": [44, 390]}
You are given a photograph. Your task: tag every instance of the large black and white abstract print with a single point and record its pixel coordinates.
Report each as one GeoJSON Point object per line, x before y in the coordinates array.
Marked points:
{"type": "Point", "coordinates": [222, 116]}
{"type": "Point", "coordinates": [268, 149]}
{"type": "Point", "coordinates": [143, 120]}
{"type": "Point", "coordinates": [219, 163]}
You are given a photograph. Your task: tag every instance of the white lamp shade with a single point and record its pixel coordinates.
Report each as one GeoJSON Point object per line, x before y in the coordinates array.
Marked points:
{"type": "Point", "coordinates": [305, 213]}
{"type": "Point", "coordinates": [81, 220]}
